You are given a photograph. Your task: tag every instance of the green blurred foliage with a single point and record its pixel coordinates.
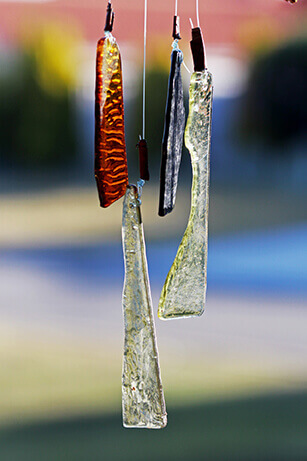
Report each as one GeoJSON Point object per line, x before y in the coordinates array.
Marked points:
{"type": "Point", "coordinates": [37, 110]}
{"type": "Point", "coordinates": [274, 110]}
{"type": "Point", "coordinates": [265, 428]}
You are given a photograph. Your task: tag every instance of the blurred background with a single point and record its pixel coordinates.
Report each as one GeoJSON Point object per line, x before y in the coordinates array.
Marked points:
{"type": "Point", "coordinates": [235, 379]}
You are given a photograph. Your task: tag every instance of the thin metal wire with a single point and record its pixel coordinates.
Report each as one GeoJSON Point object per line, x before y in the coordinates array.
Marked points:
{"type": "Point", "coordinates": [198, 25]}
{"type": "Point", "coordinates": [197, 13]}
{"type": "Point", "coordinates": [175, 42]}
{"type": "Point", "coordinates": [144, 65]}
{"type": "Point", "coordinates": [186, 67]}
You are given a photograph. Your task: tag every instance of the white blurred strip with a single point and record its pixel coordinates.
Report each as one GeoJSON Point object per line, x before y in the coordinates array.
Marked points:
{"type": "Point", "coordinates": [229, 72]}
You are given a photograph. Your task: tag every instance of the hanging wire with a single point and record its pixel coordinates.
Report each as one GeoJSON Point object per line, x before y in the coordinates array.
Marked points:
{"type": "Point", "coordinates": [175, 43]}
{"type": "Point", "coordinates": [197, 16]}
{"type": "Point", "coordinates": [144, 65]}
{"type": "Point", "coordinates": [197, 13]}
{"type": "Point", "coordinates": [198, 25]}
{"type": "Point", "coordinates": [141, 182]}
{"type": "Point", "coordinates": [186, 67]}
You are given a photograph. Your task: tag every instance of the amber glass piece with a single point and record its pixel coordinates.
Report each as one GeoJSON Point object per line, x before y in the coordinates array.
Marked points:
{"type": "Point", "coordinates": [111, 171]}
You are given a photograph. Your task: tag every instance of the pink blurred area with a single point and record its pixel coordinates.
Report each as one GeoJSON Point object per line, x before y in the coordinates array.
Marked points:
{"type": "Point", "coordinates": [223, 21]}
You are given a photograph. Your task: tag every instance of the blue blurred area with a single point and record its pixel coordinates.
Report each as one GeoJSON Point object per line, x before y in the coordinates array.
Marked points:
{"type": "Point", "coordinates": [268, 260]}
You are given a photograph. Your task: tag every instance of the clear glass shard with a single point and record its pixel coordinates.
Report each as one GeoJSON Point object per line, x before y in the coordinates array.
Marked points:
{"type": "Point", "coordinates": [172, 136]}
{"type": "Point", "coordinates": [184, 291]}
{"type": "Point", "coordinates": [142, 393]}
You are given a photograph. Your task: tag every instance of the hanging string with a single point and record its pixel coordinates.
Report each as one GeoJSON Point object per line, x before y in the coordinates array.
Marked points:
{"type": "Point", "coordinates": [142, 144]}
{"type": "Point", "coordinates": [197, 13]}
{"type": "Point", "coordinates": [186, 67]}
{"type": "Point", "coordinates": [144, 65]}
{"type": "Point", "coordinates": [175, 43]}
{"type": "Point", "coordinates": [198, 25]}
{"type": "Point", "coordinates": [197, 16]}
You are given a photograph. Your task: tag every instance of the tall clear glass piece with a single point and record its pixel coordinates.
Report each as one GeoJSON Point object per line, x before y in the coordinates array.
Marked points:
{"type": "Point", "coordinates": [184, 291]}
{"type": "Point", "coordinates": [142, 394]}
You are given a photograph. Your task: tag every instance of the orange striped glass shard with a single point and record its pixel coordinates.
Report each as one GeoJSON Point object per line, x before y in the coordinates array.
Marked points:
{"type": "Point", "coordinates": [111, 170]}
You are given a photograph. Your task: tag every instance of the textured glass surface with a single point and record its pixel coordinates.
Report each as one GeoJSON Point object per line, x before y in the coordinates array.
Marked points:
{"type": "Point", "coordinates": [143, 400]}
{"type": "Point", "coordinates": [172, 136]}
{"type": "Point", "coordinates": [110, 148]}
{"type": "Point", "coordinates": [184, 291]}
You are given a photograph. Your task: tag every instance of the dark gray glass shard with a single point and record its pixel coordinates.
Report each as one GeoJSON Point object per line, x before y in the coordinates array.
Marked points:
{"type": "Point", "coordinates": [172, 137]}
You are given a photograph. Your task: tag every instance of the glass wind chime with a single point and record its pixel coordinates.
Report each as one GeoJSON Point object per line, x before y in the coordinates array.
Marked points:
{"type": "Point", "coordinates": [142, 395]}
{"type": "Point", "coordinates": [184, 291]}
